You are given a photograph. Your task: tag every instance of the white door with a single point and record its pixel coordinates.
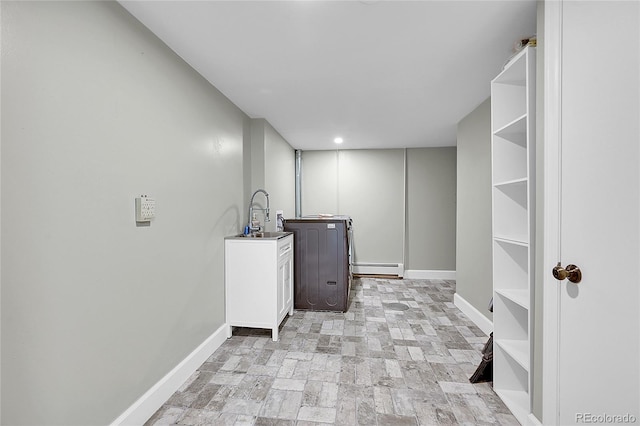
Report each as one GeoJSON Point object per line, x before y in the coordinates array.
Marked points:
{"type": "Point", "coordinates": [597, 136]}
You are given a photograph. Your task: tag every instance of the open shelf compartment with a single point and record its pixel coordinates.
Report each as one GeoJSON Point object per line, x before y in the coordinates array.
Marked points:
{"type": "Point", "coordinates": [510, 152]}
{"type": "Point", "coordinates": [518, 350]}
{"type": "Point", "coordinates": [509, 101]}
{"type": "Point", "coordinates": [511, 319]}
{"type": "Point", "coordinates": [510, 211]}
{"type": "Point", "coordinates": [511, 384]}
{"type": "Point", "coordinates": [510, 266]}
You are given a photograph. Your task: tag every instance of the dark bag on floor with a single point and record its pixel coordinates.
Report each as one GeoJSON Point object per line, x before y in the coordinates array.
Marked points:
{"type": "Point", "coordinates": [484, 372]}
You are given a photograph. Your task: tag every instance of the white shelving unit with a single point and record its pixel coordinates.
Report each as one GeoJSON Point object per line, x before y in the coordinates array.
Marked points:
{"type": "Point", "coordinates": [513, 169]}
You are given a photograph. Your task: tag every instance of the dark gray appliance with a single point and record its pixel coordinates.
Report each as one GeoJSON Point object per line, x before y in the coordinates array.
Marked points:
{"type": "Point", "coordinates": [322, 268]}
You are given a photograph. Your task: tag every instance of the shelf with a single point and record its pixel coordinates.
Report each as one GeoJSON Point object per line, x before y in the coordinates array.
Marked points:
{"type": "Point", "coordinates": [509, 160]}
{"type": "Point", "coordinates": [509, 374]}
{"type": "Point", "coordinates": [511, 182]}
{"type": "Point", "coordinates": [514, 71]}
{"type": "Point", "coordinates": [510, 211]}
{"type": "Point", "coordinates": [510, 319]}
{"type": "Point", "coordinates": [509, 151]}
{"type": "Point", "coordinates": [521, 297]}
{"type": "Point", "coordinates": [509, 103]}
{"type": "Point", "coordinates": [511, 270]}
{"type": "Point", "coordinates": [515, 130]}
{"type": "Point", "coordinates": [516, 189]}
{"type": "Point", "coordinates": [516, 349]}
{"type": "Point", "coordinates": [509, 241]}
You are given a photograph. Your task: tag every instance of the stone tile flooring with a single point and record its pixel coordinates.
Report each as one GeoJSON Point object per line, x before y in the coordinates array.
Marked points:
{"type": "Point", "coordinates": [377, 364]}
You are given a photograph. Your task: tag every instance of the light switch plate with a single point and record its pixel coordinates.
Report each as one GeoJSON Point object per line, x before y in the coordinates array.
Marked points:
{"type": "Point", "coordinates": [145, 209]}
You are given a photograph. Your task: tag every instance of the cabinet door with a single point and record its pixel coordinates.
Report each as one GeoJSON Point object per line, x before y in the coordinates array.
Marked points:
{"type": "Point", "coordinates": [285, 277]}
{"type": "Point", "coordinates": [288, 285]}
{"type": "Point", "coordinates": [285, 289]}
{"type": "Point", "coordinates": [593, 345]}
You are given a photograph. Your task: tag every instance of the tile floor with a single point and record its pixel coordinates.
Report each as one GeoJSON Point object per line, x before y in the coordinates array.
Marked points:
{"type": "Point", "coordinates": [377, 364]}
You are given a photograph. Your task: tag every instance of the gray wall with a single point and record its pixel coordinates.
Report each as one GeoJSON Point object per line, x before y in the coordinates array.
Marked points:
{"type": "Point", "coordinates": [389, 199]}
{"type": "Point", "coordinates": [279, 175]}
{"type": "Point", "coordinates": [94, 309]}
{"type": "Point", "coordinates": [255, 151]}
{"type": "Point", "coordinates": [474, 278]}
{"type": "Point", "coordinates": [371, 191]}
{"type": "Point", "coordinates": [431, 209]}
{"type": "Point", "coordinates": [319, 191]}
{"type": "Point", "coordinates": [269, 165]}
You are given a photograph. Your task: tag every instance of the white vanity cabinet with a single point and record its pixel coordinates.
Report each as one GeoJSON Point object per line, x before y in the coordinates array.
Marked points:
{"type": "Point", "coordinates": [258, 281]}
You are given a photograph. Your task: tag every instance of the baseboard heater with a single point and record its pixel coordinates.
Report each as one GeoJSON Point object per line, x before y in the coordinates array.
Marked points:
{"type": "Point", "coordinates": [379, 269]}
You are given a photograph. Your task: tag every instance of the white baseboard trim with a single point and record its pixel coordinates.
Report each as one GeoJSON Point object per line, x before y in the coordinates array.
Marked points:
{"type": "Point", "coordinates": [416, 274]}
{"type": "Point", "coordinates": [379, 269]}
{"type": "Point", "coordinates": [152, 400]}
{"type": "Point", "coordinates": [474, 315]}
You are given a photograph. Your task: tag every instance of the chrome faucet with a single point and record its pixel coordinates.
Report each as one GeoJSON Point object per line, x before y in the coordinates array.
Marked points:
{"type": "Point", "coordinates": [251, 209]}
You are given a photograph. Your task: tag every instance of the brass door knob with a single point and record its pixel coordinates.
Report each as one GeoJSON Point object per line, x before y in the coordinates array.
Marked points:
{"type": "Point", "coordinates": [572, 272]}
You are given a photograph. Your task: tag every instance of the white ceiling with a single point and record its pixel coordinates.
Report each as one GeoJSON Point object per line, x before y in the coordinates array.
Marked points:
{"type": "Point", "coordinates": [381, 74]}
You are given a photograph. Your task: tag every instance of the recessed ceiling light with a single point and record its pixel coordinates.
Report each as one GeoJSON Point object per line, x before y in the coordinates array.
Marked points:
{"type": "Point", "coordinates": [338, 140]}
